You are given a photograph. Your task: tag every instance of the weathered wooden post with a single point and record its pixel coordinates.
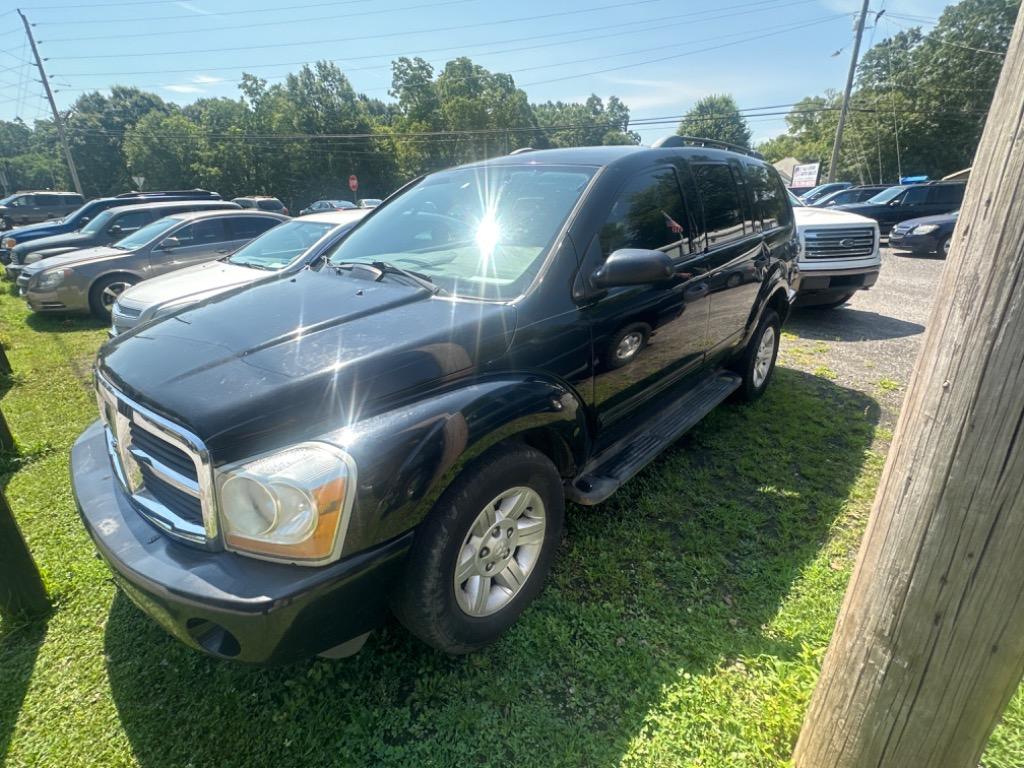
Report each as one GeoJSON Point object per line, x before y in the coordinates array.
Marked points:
{"type": "Point", "coordinates": [929, 645]}
{"type": "Point", "coordinates": [21, 588]}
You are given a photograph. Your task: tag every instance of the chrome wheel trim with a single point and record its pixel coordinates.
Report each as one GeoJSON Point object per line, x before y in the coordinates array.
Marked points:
{"type": "Point", "coordinates": [629, 345]}
{"type": "Point", "coordinates": [500, 552]}
{"type": "Point", "coordinates": [945, 246]}
{"type": "Point", "coordinates": [763, 358]}
{"type": "Point", "coordinates": [110, 293]}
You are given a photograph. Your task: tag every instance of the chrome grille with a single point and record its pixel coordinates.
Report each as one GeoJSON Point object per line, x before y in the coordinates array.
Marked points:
{"type": "Point", "coordinates": [847, 243]}
{"type": "Point", "coordinates": [164, 468]}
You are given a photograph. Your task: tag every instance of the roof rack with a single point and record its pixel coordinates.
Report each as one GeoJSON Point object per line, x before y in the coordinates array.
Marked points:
{"type": "Point", "coordinates": [165, 192]}
{"type": "Point", "coordinates": [521, 150]}
{"type": "Point", "coordinates": [695, 141]}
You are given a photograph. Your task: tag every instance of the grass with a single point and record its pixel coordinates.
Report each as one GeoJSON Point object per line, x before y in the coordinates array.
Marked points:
{"type": "Point", "coordinates": [683, 625]}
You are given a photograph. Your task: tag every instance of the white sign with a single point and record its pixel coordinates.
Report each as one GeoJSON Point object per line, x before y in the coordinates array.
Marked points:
{"type": "Point", "coordinates": [139, 181]}
{"type": "Point", "coordinates": [805, 175]}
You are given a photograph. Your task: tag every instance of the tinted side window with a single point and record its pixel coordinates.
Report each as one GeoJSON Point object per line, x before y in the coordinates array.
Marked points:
{"type": "Point", "coordinates": [723, 217]}
{"type": "Point", "coordinates": [47, 201]}
{"type": "Point", "coordinates": [202, 232]}
{"type": "Point", "coordinates": [769, 197]}
{"type": "Point", "coordinates": [269, 205]}
{"type": "Point", "coordinates": [248, 227]}
{"type": "Point", "coordinates": [915, 196]}
{"type": "Point", "coordinates": [648, 213]}
{"type": "Point", "coordinates": [23, 202]}
{"type": "Point", "coordinates": [71, 199]}
{"type": "Point", "coordinates": [947, 194]}
{"type": "Point", "coordinates": [131, 221]}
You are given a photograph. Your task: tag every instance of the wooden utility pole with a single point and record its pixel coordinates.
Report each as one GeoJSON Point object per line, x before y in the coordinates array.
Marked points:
{"type": "Point", "coordinates": [21, 588]}
{"type": "Point", "coordinates": [845, 106]}
{"type": "Point", "coordinates": [53, 106]}
{"type": "Point", "coordinates": [929, 645]}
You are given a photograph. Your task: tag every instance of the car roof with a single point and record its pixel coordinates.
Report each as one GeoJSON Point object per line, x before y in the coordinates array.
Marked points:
{"type": "Point", "coordinates": [232, 212]}
{"type": "Point", "coordinates": [255, 197]}
{"type": "Point", "coordinates": [214, 204]}
{"type": "Point", "coordinates": [335, 217]}
{"type": "Point", "coordinates": [618, 155]}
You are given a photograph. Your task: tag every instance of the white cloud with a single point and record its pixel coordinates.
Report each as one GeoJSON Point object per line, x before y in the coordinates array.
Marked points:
{"type": "Point", "coordinates": [207, 79]}
{"type": "Point", "coordinates": [182, 88]}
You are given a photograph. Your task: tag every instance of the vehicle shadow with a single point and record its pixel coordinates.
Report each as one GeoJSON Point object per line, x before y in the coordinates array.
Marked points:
{"type": "Point", "coordinates": [849, 324]}
{"type": "Point", "coordinates": [679, 574]}
{"type": "Point", "coordinates": [61, 323]}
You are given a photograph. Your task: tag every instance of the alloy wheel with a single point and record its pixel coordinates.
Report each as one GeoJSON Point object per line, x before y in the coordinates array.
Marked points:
{"type": "Point", "coordinates": [764, 356]}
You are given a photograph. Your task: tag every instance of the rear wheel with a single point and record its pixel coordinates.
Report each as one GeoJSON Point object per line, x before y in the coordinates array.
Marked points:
{"type": "Point", "coordinates": [943, 249]}
{"type": "Point", "coordinates": [758, 361]}
{"type": "Point", "coordinates": [483, 552]}
{"type": "Point", "coordinates": [105, 292]}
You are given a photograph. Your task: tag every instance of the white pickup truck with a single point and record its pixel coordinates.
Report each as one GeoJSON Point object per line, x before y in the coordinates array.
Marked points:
{"type": "Point", "coordinates": [839, 255]}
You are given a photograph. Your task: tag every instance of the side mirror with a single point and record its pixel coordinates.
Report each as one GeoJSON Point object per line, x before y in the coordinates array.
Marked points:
{"type": "Point", "coordinates": [169, 242]}
{"type": "Point", "coordinates": [634, 266]}
{"type": "Point", "coordinates": [893, 203]}
{"type": "Point", "coordinates": [84, 220]}
{"type": "Point", "coordinates": [114, 229]}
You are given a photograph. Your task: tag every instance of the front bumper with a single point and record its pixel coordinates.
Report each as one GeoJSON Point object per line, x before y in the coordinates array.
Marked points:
{"type": "Point", "coordinates": [222, 603]}
{"type": "Point", "coordinates": [836, 280]}
{"type": "Point", "coordinates": [917, 243]}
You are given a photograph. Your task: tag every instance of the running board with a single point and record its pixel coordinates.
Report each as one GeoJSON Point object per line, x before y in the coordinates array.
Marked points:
{"type": "Point", "coordinates": [616, 464]}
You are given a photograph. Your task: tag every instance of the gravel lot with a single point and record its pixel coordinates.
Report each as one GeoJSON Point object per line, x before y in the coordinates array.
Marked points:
{"type": "Point", "coordinates": [871, 343]}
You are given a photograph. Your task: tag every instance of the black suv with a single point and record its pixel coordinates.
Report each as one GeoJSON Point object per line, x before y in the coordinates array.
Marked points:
{"type": "Point", "coordinates": [401, 424]}
{"type": "Point", "coordinates": [81, 216]}
{"type": "Point", "coordinates": [32, 207]}
{"type": "Point", "coordinates": [909, 201]}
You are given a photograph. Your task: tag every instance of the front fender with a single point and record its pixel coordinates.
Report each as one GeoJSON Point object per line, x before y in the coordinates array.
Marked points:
{"type": "Point", "coordinates": [407, 457]}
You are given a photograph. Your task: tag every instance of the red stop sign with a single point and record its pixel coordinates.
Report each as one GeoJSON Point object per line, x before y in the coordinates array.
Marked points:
{"type": "Point", "coordinates": [353, 182]}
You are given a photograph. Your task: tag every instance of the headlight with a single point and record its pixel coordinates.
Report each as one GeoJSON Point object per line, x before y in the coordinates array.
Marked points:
{"type": "Point", "coordinates": [290, 505]}
{"type": "Point", "coordinates": [924, 229]}
{"type": "Point", "coordinates": [8, 242]}
{"type": "Point", "coordinates": [52, 278]}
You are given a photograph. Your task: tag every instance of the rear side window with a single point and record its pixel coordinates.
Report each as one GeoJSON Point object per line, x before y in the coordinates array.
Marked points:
{"type": "Point", "coordinates": [71, 199]}
{"type": "Point", "coordinates": [947, 194]}
{"type": "Point", "coordinates": [915, 196]}
{"type": "Point", "coordinates": [648, 213]}
{"type": "Point", "coordinates": [202, 232]}
{"type": "Point", "coordinates": [723, 216]}
{"type": "Point", "coordinates": [133, 220]}
{"type": "Point", "coordinates": [248, 227]}
{"type": "Point", "coordinates": [48, 201]}
{"type": "Point", "coordinates": [270, 205]}
{"type": "Point", "coordinates": [244, 202]}
{"type": "Point", "coordinates": [769, 197]}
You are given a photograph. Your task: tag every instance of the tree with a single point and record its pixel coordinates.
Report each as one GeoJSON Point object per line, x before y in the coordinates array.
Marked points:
{"type": "Point", "coordinates": [716, 117]}
{"type": "Point", "coordinates": [929, 645]}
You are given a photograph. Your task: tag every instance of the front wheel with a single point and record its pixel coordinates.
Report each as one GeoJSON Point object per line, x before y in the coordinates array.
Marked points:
{"type": "Point", "coordinates": [943, 249]}
{"type": "Point", "coordinates": [758, 361]}
{"type": "Point", "coordinates": [483, 552]}
{"type": "Point", "coordinates": [105, 292]}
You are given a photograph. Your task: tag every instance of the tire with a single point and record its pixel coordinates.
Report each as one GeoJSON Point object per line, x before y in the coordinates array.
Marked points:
{"type": "Point", "coordinates": [105, 291]}
{"type": "Point", "coordinates": [625, 345]}
{"type": "Point", "coordinates": [756, 365]}
{"type": "Point", "coordinates": [445, 612]}
{"type": "Point", "coordinates": [943, 249]}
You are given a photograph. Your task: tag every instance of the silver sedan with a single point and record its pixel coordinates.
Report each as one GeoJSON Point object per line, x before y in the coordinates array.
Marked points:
{"type": "Point", "coordinates": [90, 280]}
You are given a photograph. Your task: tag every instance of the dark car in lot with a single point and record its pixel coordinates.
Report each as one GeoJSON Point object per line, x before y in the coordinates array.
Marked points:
{"type": "Point", "coordinates": [820, 191]}
{"type": "Point", "coordinates": [848, 195]}
{"type": "Point", "coordinates": [322, 206]}
{"type": "Point", "coordinates": [84, 214]}
{"type": "Point", "coordinates": [909, 201]}
{"type": "Point", "coordinates": [108, 227]}
{"type": "Point", "coordinates": [401, 426]}
{"type": "Point", "coordinates": [929, 234]}
{"type": "Point", "coordinates": [262, 203]}
{"type": "Point", "coordinates": [32, 207]}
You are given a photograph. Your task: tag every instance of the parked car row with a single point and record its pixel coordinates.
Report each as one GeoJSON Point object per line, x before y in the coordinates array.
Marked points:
{"type": "Point", "coordinates": [32, 207]}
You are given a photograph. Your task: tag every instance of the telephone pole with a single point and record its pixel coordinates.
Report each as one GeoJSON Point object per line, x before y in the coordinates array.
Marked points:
{"type": "Point", "coordinates": [837, 146]}
{"type": "Point", "coordinates": [53, 106]}
{"type": "Point", "coordinates": [929, 644]}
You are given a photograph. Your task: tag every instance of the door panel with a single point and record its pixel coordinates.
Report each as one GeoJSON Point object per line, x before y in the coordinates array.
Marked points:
{"type": "Point", "coordinates": [199, 242]}
{"type": "Point", "coordinates": [672, 317]}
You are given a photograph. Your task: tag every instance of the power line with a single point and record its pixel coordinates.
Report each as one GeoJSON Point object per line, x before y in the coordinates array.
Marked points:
{"type": "Point", "coordinates": [192, 16]}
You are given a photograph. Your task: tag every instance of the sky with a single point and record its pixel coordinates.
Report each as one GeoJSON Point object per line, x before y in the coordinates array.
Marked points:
{"type": "Point", "coordinates": [658, 56]}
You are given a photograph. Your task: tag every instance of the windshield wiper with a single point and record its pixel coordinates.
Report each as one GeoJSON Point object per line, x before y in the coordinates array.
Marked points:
{"type": "Point", "coordinates": [387, 268]}
{"type": "Point", "coordinates": [253, 264]}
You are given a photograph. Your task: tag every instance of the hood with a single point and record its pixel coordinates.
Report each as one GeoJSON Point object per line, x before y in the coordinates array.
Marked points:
{"type": "Point", "coordinates": [35, 231]}
{"type": "Point", "coordinates": [74, 258]}
{"type": "Point", "coordinates": [817, 217]}
{"type": "Point", "coordinates": [290, 358]}
{"type": "Point", "coordinates": [197, 281]}
{"type": "Point", "coordinates": [942, 218]}
{"type": "Point", "coordinates": [67, 240]}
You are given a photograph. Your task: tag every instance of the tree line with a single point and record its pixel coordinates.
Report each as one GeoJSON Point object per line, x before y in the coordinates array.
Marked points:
{"type": "Point", "coordinates": [301, 138]}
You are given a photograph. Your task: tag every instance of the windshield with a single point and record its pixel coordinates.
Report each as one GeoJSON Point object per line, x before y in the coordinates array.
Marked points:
{"type": "Point", "coordinates": [279, 246]}
{"type": "Point", "coordinates": [100, 222]}
{"type": "Point", "coordinates": [7, 199]}
{"type": "Point", "coordinates": [475, 232]}
{"type": "Point", "coordinates": [146, 234]}
{"type": "Point", "coordinates": [796, 201]}
{"type": "Point", "coordinates": [886, 195]}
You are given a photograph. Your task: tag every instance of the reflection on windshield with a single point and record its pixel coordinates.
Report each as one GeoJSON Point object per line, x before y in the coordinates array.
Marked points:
{"type": "Point", "coordinates": [886, 195]}
{"type": "Point", "coordinates": [279, 246]}
{"type": "Point", "coordinates": [101, 221]}
{"type": "Point", "coordinates": [476, 232]}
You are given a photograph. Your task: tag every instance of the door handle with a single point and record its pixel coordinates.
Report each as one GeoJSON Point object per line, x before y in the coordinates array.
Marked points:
{"type": "Point", "coordinates": [696, 292]}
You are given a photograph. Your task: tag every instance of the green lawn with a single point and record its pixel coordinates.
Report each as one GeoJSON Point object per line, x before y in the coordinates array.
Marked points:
{"type": "Point", "coordinates": [683, 625]}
